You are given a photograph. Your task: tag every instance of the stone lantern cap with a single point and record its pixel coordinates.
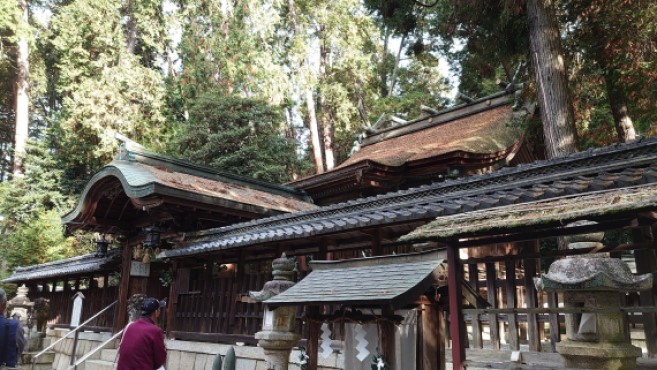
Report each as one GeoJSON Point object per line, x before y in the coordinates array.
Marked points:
{"type": "Point", "coordinates": [283, 271]}
{"type": "Point", "coordinates": [592, 273]}
{"type": "Point", "coordinates": [21, 299]}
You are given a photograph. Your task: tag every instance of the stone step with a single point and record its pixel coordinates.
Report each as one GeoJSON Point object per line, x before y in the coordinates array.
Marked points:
{"type": "Point", "coordinates": [97, 365]}
{"type": "Point", "coordinates": [109, 355]}
{"type": "Point", "coordinates": [46, 358]}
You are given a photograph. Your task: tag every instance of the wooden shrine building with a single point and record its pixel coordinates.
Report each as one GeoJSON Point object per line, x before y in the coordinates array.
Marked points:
{"type": "Point", "coordinates": [147, 202]}
{"type": "Point", "coordinates": [218, 233]}
{"type": "Point", "coordinates": [473, 138]}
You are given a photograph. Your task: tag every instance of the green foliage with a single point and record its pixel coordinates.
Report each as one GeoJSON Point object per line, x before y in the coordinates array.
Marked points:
{"type": "Point", "coordinates": [236, 135]}
{"type": "Point", "coordinates": [104, 89]}
{"type": "Point", "coordinates": [34, 241]}
{"type": "Point", "coordinates": [31, 230]}
{"type": "Point", "coordinates": [612, 49]}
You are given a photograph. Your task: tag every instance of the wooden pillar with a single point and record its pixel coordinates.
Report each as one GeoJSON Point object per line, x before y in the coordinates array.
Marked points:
{"type": "Point", "coordinates": [646, 262]}
{"type": "Point", "coordinates": [473, 278]}
{"type": "Point", "coordinates": [431, 339]}
{"type": "Point", "coordinates": [387, 336]}
{"type": "Point", "coordinates": [555, 334]}
{"type": "Point", "coordinates": [510, 280]}
{"type": "Point", "coordinates": [491, 288]}
{"type": "Point", "coordinates": [121, 310]}
{"type": "Point", "coordinates": [313, 336]}
{"type": "Point", "coordinates": [531, 299]}
{"type": "Point", "coordinates": [456, 319]}
{"type": "Point", "coordinates": [171, 301]}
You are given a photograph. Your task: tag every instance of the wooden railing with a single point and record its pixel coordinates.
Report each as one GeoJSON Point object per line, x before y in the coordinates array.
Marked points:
{"type": "Point", "coordinates": [517, 314]}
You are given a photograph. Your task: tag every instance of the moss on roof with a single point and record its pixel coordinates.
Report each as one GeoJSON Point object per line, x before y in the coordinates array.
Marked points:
{"type": "Point", "coordinates": [555, 211]}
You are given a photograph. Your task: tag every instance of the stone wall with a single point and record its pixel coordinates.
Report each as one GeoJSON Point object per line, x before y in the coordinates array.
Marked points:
{"type": "Point", "coordinates": [199, 356]}
{"type": "Point", "coordinates": [183, 355]}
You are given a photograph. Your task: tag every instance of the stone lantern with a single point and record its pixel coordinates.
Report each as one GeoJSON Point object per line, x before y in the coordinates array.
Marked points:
{"type": "Point", "coordinates": [278, 335]}
{"type": "Point", "coordinates": [20, 304]}
{"type": "Point", "coordinates": [594, 281]}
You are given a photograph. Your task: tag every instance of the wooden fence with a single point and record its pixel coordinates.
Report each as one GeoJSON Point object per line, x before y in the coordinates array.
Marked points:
{"type": "Point", "coordinates": [511, 313]}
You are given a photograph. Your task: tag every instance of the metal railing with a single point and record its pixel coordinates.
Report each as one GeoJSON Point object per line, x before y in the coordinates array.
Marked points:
{"type": "Point", "coordinates": [92, 352]}
{"type": "Point", "coordinates": [74, 331]}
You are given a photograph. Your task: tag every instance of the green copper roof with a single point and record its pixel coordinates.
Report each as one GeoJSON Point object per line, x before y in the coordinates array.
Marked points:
{"type": "Point", "coordinates": [143, 174]}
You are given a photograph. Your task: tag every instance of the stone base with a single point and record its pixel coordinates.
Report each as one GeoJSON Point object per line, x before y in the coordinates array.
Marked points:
{"type": "Point", "coordinates": [589, 355]}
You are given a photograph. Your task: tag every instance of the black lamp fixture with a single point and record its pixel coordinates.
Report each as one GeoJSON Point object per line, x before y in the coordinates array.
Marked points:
{"type": "Point", "coordinates": [152, 237]}
{"type": "Point", "coordinates": [101, 245]}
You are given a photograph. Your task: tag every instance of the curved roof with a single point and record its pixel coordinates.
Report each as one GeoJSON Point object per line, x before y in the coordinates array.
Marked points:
{"type": "Point", "coordinates": [466, 139]}
{"type": "Point", "coordinates": [485, 132]}
{"type": "Point", "coordinates": [148, 179]}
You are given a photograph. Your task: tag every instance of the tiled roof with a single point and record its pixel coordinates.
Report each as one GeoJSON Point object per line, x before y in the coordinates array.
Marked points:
{"type": "Point", "coordinates": [143, 174]}
{"type": "Point", "coordinates": [390, 280]}
{"type": "Point", "coordinates": [611, 167]}
{"type": "Point", "coordinates": [89, 263]}
{"type": "Point", "coordinates": [540, 214]}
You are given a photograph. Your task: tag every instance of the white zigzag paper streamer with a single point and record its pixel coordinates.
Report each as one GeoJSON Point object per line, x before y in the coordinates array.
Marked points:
{"type": "Point", "coordinates": [361, 347]}
{"type": "Point", "coordinates": [326, 341]}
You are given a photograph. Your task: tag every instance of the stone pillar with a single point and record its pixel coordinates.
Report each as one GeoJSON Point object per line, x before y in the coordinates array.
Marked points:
{"type": "Point", "coordinates": [278, 336]}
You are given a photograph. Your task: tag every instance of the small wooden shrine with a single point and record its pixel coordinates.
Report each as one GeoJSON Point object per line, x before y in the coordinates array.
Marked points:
{"type": "Point", "coordinates": [386, 309]}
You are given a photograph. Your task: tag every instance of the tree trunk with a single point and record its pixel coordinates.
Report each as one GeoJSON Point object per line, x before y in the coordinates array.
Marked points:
{"type": "Point", "coordinates": [22, 93]}
{"type": "Point", "coordinates": [314, 131]}
{"type": "Point", "coordinates": [393, 78]}
{"type": "Point", "coordinates": [327, 122]}
{"type": "Point", "coordinates": [618, 103]}
{"type": "Point", "coordinates": [131, 29]}
{"type": "Point", "coordinates": [550, 69]}
{"type": "Point", "coordinates": [328, 143]}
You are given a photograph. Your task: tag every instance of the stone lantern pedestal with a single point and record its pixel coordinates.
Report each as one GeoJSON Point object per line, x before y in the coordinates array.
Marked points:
{"type": "Point", "coordinates": [595, 340]}
{"type": "Point", "coordinates": [278, 336]}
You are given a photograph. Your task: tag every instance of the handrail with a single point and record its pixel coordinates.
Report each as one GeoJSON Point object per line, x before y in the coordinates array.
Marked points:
{"type": "Point", "coordinates": [92, 352]}
{"type": "Point", "coordinates": [72, 331]}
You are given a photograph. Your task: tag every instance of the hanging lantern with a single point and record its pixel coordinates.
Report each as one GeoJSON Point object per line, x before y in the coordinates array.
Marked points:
{"type": "Point", "coordinates": [101, 245]}
{"type": "Point", "coordinates": [152, 237]}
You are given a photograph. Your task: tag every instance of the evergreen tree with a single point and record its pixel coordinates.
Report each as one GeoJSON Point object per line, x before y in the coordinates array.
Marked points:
{"type": "Point", "coordinates": [103, 88]}
{"type": "Point", "coordinates": [31, 230]}
{"type": "Point", "coordinates": [236, 135]}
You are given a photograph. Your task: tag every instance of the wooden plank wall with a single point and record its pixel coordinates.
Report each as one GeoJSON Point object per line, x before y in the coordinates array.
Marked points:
{"type": "Point", "coordinates": [221, 304]}
{"type": "Point", "coordinates": [97, 296]}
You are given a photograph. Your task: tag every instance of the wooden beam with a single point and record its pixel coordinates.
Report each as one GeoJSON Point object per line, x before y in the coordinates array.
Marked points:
{"type": "Point", "coordinates": [528, 254]}
{"type": "Point", "coordinates": [457, 324]}
{"type": "Point", "coordinates": [535, 232]}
